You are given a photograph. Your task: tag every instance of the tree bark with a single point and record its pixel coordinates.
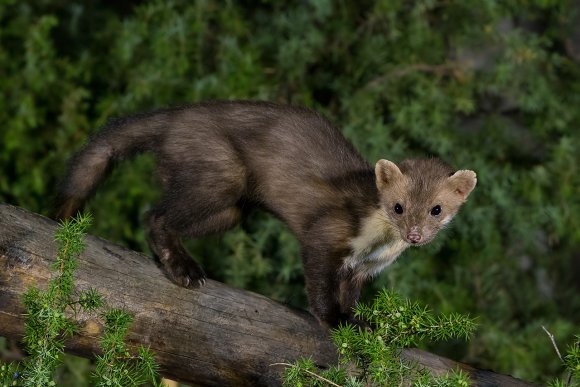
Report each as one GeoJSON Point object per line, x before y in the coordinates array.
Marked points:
{"type": "Point", "coordinates": [216, 335]}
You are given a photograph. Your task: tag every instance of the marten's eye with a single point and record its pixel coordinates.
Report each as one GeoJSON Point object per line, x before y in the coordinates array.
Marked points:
{"type": "Point", "coordinates": [436, 210]}
{"type": "Point", "coordinates": [398, 208]}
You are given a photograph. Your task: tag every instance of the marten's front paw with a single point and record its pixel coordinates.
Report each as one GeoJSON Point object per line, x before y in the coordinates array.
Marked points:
{"type": "Point", "coordinates": [187, 274]}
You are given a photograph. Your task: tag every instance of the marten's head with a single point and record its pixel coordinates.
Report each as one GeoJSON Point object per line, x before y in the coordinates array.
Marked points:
{"type": "Point", "coordinates": [421, 196]}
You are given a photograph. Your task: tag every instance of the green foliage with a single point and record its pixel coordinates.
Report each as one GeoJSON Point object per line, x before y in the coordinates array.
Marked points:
{"type": "Point", "coordinates": [451, 379]}
{"type": "Point", "coordinates": [117, 366]}
{"type": "Point", "coordinates": [47, 324]}
{"type": "Point", "coordinates": [396, 323]}
{"type": "Point", "coordinates": [9, 374]}
{"type": "Point", "coordinates": [305, 373]}
{"type": "Point", "coordinates": [405, 323]}
{"type": "Point", "coordinates": [571, 362]}
{"type": "Point", "coordinates": [50, 319]}
{"type": "Point", "coordinates": [572, 359]}
{"type": "Point", "coordinates": [489, 85]}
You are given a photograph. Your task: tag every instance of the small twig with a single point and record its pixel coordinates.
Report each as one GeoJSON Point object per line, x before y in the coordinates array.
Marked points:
{"type": "Point", "coordinates": [310, 373]}
{"type": "Point", "coordinates": [551, 336]}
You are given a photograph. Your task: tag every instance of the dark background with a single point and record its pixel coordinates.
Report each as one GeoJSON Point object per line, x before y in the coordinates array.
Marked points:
{"type": "Point", "coordinates": [492, 86]}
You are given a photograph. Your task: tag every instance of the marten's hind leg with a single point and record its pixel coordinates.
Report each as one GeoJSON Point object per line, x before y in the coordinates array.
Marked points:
{"type": "Point", "coordinates": [164, 239]}
{"type": "Point", "coordinates": [203, 190]}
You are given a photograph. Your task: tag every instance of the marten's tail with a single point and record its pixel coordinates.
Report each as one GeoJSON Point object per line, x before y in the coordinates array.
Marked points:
{"type": "Point", "coordinates": [119, 139]}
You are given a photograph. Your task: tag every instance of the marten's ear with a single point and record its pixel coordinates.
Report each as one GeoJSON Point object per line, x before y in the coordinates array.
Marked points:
{"type": "Point", "coordinates": [462, 182]}
{"type": "Point", "coordinates": [387, 173]}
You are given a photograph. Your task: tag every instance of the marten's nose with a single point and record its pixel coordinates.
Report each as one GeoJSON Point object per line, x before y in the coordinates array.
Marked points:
{"type": "Point", "coordinates": [413, 236]}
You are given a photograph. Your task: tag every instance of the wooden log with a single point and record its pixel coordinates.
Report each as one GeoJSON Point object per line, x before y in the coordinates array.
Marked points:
{"type": "Point", "coordinates": [216, 335]}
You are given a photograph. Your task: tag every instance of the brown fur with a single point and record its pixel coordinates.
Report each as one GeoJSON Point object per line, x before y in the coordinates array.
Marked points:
{"type": "Point", "coordinates": [215, 159]}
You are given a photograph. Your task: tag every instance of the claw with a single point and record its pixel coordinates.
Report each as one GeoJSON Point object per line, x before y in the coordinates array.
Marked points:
{"type": "Point", "coordinates": [201, 282]}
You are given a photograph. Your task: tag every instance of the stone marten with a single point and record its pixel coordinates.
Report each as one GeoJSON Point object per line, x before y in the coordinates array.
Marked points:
{"type": "Point", "coordinates": [217, 159]}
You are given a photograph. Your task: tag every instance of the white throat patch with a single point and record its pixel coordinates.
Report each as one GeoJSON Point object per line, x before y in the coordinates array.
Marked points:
{"type": "Point", "coordinates": [377, 246]}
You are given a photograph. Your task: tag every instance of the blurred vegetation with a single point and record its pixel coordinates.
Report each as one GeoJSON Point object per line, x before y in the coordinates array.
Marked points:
{"type": "Point", "coordinates": [488, 85]}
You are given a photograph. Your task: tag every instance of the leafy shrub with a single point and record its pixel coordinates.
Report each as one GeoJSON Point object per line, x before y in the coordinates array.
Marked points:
{"type": "Point", "coordinates": [50, 318]}
{"type": "Point", "coordinates": [373, 357]}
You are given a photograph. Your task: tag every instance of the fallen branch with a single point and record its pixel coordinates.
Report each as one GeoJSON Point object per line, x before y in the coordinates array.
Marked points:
{"type": "Point", "coordinates": [217, 335]}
